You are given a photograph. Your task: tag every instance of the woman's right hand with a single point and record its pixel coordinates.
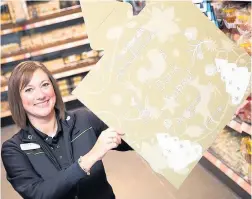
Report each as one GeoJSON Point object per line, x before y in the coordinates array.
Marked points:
{"type": "Point", "coordinates": [108, 139]}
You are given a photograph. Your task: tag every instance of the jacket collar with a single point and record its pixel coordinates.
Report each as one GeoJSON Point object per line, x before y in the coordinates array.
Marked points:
{"type": "Point", "coordinates": [29, 134]}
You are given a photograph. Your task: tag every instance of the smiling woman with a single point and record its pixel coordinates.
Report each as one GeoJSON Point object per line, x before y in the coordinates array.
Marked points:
{"type": "Point", "coordinates": [33, 92]}
{"type": "Point", "coordinates": [56, 154]}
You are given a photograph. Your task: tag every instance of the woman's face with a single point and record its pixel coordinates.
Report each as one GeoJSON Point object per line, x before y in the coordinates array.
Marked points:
{"type": "Point", "coordinates": [38, 97]}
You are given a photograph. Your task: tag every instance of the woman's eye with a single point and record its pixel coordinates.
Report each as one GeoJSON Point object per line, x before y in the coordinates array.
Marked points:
{"type": "Point", "coordinates": [28, 90]}
{"type": "Point", "coordinates": [46, 84]}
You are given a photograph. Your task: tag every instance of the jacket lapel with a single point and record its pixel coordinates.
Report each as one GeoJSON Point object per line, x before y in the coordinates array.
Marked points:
{"type": "Point", "coordinates": [27, 136]}
{"type": "Point", "coordinates": [67, 127]}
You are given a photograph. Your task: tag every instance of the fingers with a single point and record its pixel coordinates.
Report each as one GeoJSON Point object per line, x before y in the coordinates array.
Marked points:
{"type": "Point", "coordinates": [112, 145]}
{"type": "Point", "coordinates": [110, 130]}
{"type": "Point", "coordinates": [111, 138]}
{"type": "Point", "coordinates": [111, 134]}
{"type": "Point", "coordinates": [116, 139]}
{"type": "Point", "coordinates": [120, 133]}
{"type": "Point", "coordinates": [114, 135]}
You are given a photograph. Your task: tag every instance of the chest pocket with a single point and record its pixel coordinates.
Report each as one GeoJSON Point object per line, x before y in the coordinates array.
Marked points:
{"type": "Point", "coordinates": [83, 141]}
{"type": "Point", "coordinates": [41, 163]}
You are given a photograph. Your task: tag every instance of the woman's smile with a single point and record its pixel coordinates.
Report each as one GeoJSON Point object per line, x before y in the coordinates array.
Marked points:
{"type": "Point", "coordinates": [42, 104]}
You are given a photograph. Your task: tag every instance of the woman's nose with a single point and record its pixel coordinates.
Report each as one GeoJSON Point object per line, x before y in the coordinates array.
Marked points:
{"type": "Point", "coordinates": [40, 94]}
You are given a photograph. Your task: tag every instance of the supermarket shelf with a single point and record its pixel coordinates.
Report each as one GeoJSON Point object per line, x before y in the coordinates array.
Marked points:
{"type": "Point", "coordinates": [4, 88]}
{"type": "Point", "coordinates": [69, 98]}
{"type": "Point", "coordinates": [5, 114]}
{"type": "Point", "coordinates": [61, 47]}
{"type": "Point", "coordinates": [81, 68]}
{"type": "Point", "coordinates": [73, 72]}
{"type": "Point", "coordinates": [240, 127]}
{"type": "Point", "coordinates": [65, 99]}
{"type": "Point", "coordinates": [230, 173]}
{"type": "Point", "coordinates": [70, 43]}
{"type": "Point", "coordinates": [62, 15]}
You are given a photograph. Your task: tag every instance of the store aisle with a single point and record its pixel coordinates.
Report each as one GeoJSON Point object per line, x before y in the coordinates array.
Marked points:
{"type": "Point", "coordinates": [132, 178]}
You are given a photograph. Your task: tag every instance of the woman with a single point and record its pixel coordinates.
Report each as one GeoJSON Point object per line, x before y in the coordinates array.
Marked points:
{"type": "Point", "coordinates": [55, 155]}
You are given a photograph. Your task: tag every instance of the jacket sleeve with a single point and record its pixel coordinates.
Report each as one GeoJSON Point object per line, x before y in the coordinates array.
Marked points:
{"type": "Point", "coordinates": [99, 126]}
{"type": "Point", "coordinates": [26, 181]}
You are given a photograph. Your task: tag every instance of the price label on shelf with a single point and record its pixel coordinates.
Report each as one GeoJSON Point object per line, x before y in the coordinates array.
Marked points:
{"type": "Point", "coordinates": [8, 59]}
{"type": "Point", "coordinates": [27, 55]}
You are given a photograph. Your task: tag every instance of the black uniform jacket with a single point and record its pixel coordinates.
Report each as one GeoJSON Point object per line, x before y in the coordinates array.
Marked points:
{"type": "Point", "coordinates": [35, 174]}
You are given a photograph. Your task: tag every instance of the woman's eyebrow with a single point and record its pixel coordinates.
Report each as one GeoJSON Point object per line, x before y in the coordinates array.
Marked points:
{"type": "Point", "coordinates": [29, 85]}
{"type": "Point", "coordinates": [46, 80]}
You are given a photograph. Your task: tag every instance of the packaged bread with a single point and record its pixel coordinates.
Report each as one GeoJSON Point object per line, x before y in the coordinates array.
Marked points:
{"type": "Point", "coordinates": [245, 41]}
{"type": "Point", "coordinates": [10, 48]}
{"type": "Point", "coordinates": [243, 21]}
{"type": "Point", "coordinates": [45, 8]}
{"type": "Point", "coordinates": [65, 92]}
{"type": "Point", "coordinates": [246, 150]}
{"type": "Point", "coordinates": [4, 80]}
{"type": "Point", "coordinates": [93, 53]}
{"type": "Point", "coordinates": [62, 82]}
{"type": "Point", "coordinates": [4, 106]}
{"type": "Point", "coordinates": [26, 42]}
{"type": "Point", "coordinates": [64, 87]}
{"type": "Point", "coordinates": [77, 78]}
{"type": "Point", "coordinates": [53, 36]}
{"type": "Point", "coordinates": [72, 58]}
{"type": "Point", "coordinates": [37, 40]}
{"type": "Point", "coordinates": [55, 64]}
{"type": "Point", "coordinates": [78, 30]}
{"type": "Point", "coordinates": [84, 55]}
{"type": "Point", "coordinates": [229, 16]}
{"type": "Point", "coordinates": [7, 75]}
{"type": "Point", "coordinates": [5, 18]}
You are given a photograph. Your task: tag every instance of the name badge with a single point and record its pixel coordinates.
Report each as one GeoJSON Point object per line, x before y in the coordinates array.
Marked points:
{"type": "Point", "coordinates": [29, 146]}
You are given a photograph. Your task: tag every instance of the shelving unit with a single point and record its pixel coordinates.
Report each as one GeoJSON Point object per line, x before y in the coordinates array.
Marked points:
{"type": "Point", "coordinates": [62, 45]}
{"type": "Point", "coordinates": [229, 172]}
{"type": "Point", "coordinates": [74, 71]}
{"type": "Point", "coordinates": [62, 15]}
{"type": "Point", "coordinates": [240, 127]}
